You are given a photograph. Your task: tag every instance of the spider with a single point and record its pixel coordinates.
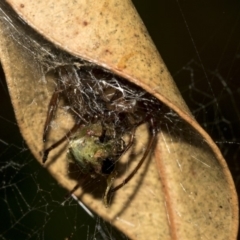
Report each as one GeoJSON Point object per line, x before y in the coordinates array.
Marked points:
{"type": "Point", "coordinates": [105, 107]}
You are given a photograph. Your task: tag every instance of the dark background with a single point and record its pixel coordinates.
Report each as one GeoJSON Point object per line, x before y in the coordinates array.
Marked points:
{"type": "Point", "coordinates": [199, 42]}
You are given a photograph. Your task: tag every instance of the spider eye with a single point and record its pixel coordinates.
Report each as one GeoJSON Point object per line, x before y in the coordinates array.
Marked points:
{"type": "Point", "coordinates": [108, 166]}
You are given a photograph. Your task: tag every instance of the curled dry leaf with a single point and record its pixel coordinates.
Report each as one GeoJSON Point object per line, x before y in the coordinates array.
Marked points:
{"type": "Point", "coordinates": [187, 192]}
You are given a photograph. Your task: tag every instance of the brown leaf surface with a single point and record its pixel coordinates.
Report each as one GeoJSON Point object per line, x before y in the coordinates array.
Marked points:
{"type": "Point", "coordinates": [187, 192]}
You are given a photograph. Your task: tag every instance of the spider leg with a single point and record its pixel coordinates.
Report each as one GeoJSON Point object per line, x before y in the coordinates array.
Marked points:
{"type": "Point", "coordinates": [63, 139]}
{"type": "Point", "coordinates": [130, 143]}
{"type": "Point", "coordinates": [153, 131]}
{"type": "Point", "coordinates": [53, 104]}
{"type": "Point", "coordinates": [112, 176]}
{"type": "Point", "coordinates": [110, 181]}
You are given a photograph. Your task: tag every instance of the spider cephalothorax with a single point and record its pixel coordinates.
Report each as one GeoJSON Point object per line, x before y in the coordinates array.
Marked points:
{"type": "Point", "coordinates": [111, 107]}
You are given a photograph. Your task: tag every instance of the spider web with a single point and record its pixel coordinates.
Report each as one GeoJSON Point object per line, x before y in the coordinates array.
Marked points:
{"type": "Point", "coordinates": [200, 45]}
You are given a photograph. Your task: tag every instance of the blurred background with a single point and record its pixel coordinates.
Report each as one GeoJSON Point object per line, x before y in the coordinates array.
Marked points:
{"type": "Point", "coordinates": [200, 44]}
